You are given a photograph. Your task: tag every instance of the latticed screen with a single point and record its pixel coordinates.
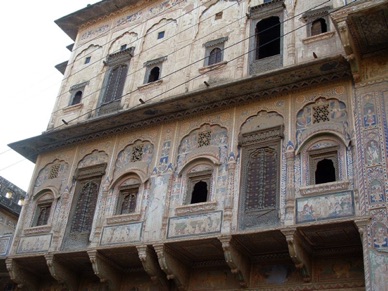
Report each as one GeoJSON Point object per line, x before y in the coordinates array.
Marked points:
{"type": "Point", "coordinates": [204, 138]}
{"type": "Point", "coordinates": [86, 204]}
{"type": "Point", "coordinates": [321, 113]}
{"type": "Point", "coordinates": [137, 153]}
{"type": "Point", "coordinates": [261, 179]}
{"type": "Point", "coordinates": [115, 85]}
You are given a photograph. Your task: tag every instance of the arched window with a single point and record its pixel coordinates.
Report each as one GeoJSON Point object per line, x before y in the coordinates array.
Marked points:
{"type": "Point", "coordinates": [199, 179]}
{"type": "Point", "coordinates": [268, 37]}
{"type": "Point", "coordinates": [215, 56]}
{"type": "Point", "coordinates": [128, 195]}
{"type": "Point", "coordinates": [154, 75]}
{"type": "Point", "coordinates": [43, 209]}
{"type": "Point", "coordinates": [77, 98]}
{"type": "Point", "coordinates": [128, 205]}
{"type": "Point", "coordinates": [318, 26]}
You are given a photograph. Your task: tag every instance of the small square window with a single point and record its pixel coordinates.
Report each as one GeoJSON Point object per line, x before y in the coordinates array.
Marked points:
{"type": "Point", "coordinates": [214, 51]}
{"type": "Point", "coordinates": [153, 70]}
{"type": "Point", "coordinates": [160, 34]}
{"type": "Point", "coordinates": [87, 60]}
{"type": "Point", "coordinates": [218, 15]}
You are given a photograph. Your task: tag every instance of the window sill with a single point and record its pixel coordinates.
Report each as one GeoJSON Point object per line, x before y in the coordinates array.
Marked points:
{"type": "Point", "coordinates": [207, 69]}
{"type": "Point", "coordinates": [37, 229]}
{"type": "Point", "coordinates": [72, 107]}
{"type": "Point", "coordinates": [318, 37]}
{"type": "Point", "coordinates": [324, 188]}
{"type": "Point", "coordinates": [195, 208]}
{"type": "Point", "coordinates": [150, 85]}
{"type": "Point", "coordinates": [123, 218]}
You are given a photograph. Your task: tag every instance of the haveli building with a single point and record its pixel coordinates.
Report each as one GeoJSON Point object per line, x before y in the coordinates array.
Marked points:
{"type": "Point", "coordinates": [212, 145]}
{"type": "Point", "coordinates": [11, 201]}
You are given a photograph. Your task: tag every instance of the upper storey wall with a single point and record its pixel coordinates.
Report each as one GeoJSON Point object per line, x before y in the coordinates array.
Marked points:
{"type": "Point", "coordinates": [162, 49]}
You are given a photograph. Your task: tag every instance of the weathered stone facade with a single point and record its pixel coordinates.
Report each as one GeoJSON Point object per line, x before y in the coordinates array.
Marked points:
{"type": "Point", "coordinates": [182, 154]}
{"type": "Point", "coordinates": [11, 201]}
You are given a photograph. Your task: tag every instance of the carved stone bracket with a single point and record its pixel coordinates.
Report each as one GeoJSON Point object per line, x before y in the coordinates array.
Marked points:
{"type": "Point", "coordinates": [174, 268]}
{"type": "Point", "coordinates": [60, 273]}
{"type": "Point", "coordinates": [298, 253]}
{"type": "Point", "coordinates": [150, 264]}
{"type": "Point", "coordinates": [237, 262]}
{"type": "Point", "coordinates": [20, 276]}
{"type": "Point", "coordinates": [362, 223]}
{"type": "Point", "coordinates": [105, 270]}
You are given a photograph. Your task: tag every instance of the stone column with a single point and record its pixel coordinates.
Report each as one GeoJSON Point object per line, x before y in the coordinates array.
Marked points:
{"type": "Point", "coordinates": [290, 188]}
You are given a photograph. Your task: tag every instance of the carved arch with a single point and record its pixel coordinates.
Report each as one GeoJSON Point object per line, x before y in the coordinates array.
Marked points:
{"type": "Point", "coordinates": [207, 141]}
{"type": "Point", "coordinates": [96, 157]}
{"type": "Point", "coordinates": [127, 38]}
{"type": "Point", "coordinates": [135, 157]}
{"type": "Point", "coordinates": [321, 116]}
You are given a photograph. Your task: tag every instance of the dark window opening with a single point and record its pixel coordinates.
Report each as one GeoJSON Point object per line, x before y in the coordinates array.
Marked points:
{"type": "Point", "coordinates": [199, 193]}
{"type": "Point", "coordinates": [325, 172]}
{"type": "Point", "coordinates": [123, 47]}
{"type": "Point", "coordinates": [77, 98]}
{"type": "Point", "coordinates": [318, 26]}
{"type": "Point", "coordinates": [87, 60]}
{"type": "Point", "coordinates": [268, 37]}
{"type": "Point", "coordinates": [154, 75]}
{"type": "Point", "coordinates": [215, 56]}
{"type": "Point", "coordinates": [160, 34]}
{"type": "Point", "coordinates": [218, 15]}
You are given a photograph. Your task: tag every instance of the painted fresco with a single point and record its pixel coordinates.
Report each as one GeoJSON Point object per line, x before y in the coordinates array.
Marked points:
{"type": "Point", "coordinates": [275, 274]}
{"type": "Point", "coordinates": [195, 224]}
{"type": "Point", "coordinates": [379, 271]}
{"type": "Point", "coordinates": [322, 115]}
{"type": "Point", "coordinates": [118, 234]}
{"type": "Point", "coordinates": [213, 279]}
{"type": "Point", "coordinates": [32, 244]}
{"type": "Point", "coordinates": [323, 207]}
{"type": "Point", "coordinates": [347, 268]}
{"type": "Point", "coordinates": [156, 203]}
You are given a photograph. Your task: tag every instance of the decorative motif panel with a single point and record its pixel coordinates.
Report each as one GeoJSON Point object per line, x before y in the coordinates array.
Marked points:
{"type": "Point", "coordinates": [119, 234]}
{"type": "Point", "coordinates": [324, 114]}
{"type": "Point", "coordinates": [324, 207]}
{"type": "Point", "coordinates": [34, 244]}
{"type": "Point", "coordinates": [51, 171]}
{"type": "Point", "coordinates": [193, 225]}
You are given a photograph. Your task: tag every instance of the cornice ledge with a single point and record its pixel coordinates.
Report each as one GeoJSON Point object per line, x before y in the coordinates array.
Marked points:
{"type": "Point", "coordinates": [37, 230]}
{"type": "Point", "coordinates": [196, 208]}
{"type": "Point", "coordinates": [318, 37]}
{"type": "Point", "coordinates": [251, 89]}
{"type": "Point", "coordinates": [117, 219]}
{"type": "Point", "coordinates": [324, 188]}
